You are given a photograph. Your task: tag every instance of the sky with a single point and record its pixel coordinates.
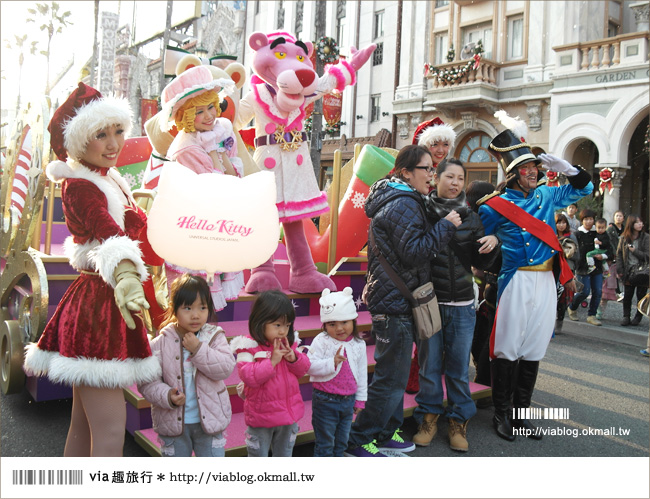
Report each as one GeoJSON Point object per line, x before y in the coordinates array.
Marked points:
{"type": "Point", "coordinates": [75, 41]}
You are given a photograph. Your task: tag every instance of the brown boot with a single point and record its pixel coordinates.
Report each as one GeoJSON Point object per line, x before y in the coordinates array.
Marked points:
{"type": "Point", "coordinates": [458, 435]}
{"type": "Point", "coordinates": [427, 430]}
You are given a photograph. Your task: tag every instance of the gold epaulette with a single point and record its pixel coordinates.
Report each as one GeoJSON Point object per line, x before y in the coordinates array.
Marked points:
{"type": "Point", "coordinates": [487, 196]}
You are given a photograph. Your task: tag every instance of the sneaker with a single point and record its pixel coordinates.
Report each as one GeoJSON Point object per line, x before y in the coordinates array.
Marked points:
{"type": "Point", "coordinates": [645, 352]}
{"type": "Point", "coordinates": [573, 314]}
{"type": "Point", "coordinates": [397, 443]}
{"type": "Point", "coordinates": [427, 430]}
{"type": "Point", "coordinates": [458, 435]}
{"type": "Point", "coordinates": [367, 450]}
{"type": "Point", "coordinates": [591, 319]}
{"type": "Point", "coordinates": [619, 296]}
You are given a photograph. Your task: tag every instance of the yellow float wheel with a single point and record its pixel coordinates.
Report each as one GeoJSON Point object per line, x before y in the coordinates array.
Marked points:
{"type": "Point", "coordinates": [11, 357]}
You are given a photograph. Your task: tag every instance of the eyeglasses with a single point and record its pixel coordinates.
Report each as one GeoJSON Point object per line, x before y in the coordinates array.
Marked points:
{"type": "Point", "coordinates": [428, 169]}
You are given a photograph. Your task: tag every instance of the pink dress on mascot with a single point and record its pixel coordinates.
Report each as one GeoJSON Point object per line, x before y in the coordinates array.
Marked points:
{"type": "Point", "coordinates": [284, 83]}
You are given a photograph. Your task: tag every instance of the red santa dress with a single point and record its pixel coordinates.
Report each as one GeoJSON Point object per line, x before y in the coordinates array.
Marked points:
{"type": "Point", "coordinates": [87, 342]}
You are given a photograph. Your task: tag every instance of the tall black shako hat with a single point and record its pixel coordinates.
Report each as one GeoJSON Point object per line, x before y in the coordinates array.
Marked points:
{"type": "Point", "coordinates": [510, 146]}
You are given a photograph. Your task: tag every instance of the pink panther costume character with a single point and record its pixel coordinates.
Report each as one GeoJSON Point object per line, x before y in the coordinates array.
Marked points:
{"type": "Point", "coordinates": [285, 83]}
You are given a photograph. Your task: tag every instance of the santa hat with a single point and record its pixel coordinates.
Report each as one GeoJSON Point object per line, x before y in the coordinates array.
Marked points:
{"type": "Point", "coordinates": [337, 306]}
{"type": "Point", "coordinates": [79, 118]}
{"type": "Point", "coordinates": [433, 130]}
{"type": "Point", "coordinates": [510, 146]}
{"type": "Point", "coordinates": [188, 84]}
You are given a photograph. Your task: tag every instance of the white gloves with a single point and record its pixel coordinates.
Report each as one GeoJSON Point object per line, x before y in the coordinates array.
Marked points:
{"type": "Point", "coordinates": [556, 164]}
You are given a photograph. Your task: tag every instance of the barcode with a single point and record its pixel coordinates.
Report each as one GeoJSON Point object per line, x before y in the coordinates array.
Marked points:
{"type": "Point", "coordinates": [48, 477]}
{"type": "Point", "coordinates": [540, 413]}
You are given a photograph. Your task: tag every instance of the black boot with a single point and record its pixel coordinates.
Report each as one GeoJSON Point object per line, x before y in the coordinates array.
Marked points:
{"type": "Point", "coordinates": [502, 373]}
{"type": "Point", "coordinates": [523, 392]}
{"type": "Point", "coordinates": [637, 319]}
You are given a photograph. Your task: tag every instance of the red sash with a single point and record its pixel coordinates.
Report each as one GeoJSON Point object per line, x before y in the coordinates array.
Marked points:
{"type": "Point", "coordinates": [541, 230]}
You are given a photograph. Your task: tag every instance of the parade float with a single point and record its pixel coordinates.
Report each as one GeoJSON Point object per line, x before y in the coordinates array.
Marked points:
{"type": "Point", "coordinates": [36, 274]}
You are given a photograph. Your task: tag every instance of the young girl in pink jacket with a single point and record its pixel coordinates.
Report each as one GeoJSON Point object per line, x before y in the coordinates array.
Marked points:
{"type": "Point", "coordinates": [270, 366]}
{"type": "Point", "coordinates": [190, 402]}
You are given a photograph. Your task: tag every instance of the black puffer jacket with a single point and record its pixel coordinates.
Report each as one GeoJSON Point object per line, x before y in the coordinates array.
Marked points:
{"type": "Point", "coordinates": [451, 272]}
{"type": "Point", "coordinates": [405, 239]}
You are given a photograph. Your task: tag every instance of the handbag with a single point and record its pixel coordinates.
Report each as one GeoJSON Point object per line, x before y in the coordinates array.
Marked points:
{"type": "Point", "coordinates": [639, 275]}
{"type": "Point", "coordinates": [423, 300]}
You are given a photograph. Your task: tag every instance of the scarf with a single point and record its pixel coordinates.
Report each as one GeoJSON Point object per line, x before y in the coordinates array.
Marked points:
{"type": "Point", "coordinates": [442, 206]}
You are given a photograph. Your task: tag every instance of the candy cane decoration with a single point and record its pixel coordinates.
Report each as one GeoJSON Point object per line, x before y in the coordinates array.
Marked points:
{"type": "Point", "coordinates": [20, 188]}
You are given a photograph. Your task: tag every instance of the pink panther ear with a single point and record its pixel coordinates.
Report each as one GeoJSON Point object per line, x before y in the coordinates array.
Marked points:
{"type": "Point", "coordinates": [257, 40]}
{"type": "Point", "coordinates": [310, 48]}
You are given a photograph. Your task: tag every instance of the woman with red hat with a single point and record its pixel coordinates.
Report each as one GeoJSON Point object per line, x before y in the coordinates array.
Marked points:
{"type": "Point", "coordinates": [95, 341]}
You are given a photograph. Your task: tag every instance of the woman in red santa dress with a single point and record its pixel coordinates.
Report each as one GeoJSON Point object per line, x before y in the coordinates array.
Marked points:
{"type": "Point", "coordinates": [95, 341]}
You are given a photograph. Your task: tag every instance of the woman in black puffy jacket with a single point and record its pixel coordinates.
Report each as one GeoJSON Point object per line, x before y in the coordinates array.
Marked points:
{"type": "Point", "coordinates": [405, 238]}
{"type": "Point", "coordinates": [448, 352]}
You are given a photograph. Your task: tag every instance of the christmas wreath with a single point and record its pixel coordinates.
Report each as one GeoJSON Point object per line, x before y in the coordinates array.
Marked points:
{"type": "Point", "coordinates": [334, 128]}
{"type": "Point", "coordinates": [451, 53]}
{"type": "Point", "coordinates": [327, 50]}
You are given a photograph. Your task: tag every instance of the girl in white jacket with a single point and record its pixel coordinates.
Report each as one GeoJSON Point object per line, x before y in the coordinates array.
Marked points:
{"type": "Point", "coordinates": [339, 373]}
{"type": "Point", "coordinates": [190, 405]}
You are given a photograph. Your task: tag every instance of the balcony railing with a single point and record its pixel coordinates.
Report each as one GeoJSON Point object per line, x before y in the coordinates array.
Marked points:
{"type": "Point", "coordinates": [631, 48]}
{"type": "Point", "coordinates": [486, 73]}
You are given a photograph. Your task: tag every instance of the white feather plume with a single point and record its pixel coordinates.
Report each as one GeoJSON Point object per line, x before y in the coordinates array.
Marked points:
{"type": "Point", "coordinates": [516, 125]}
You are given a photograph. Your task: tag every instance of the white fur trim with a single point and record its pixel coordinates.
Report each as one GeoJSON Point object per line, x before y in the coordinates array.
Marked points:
{"type": "Point", "coordinates": [242, 343]}
{"type": "Point", "coordinates": [91, 372]}
{"type": "Point", "coordinates": [57, 171]}
{"type": "Point", "coordinates": [262, 354]}
{"type": "Point", "coordinates": [244, 357]}
{"type": "Point", "coordinates": [91, 118]}
{"type": "Point", "coordinates": [437, 132]}
{"type": "Point", "coordinates": [78, 254]}
{"type": "Point", "coordinates": [296, 338]}
{"type": "Point", "coordinates": [107, 255]}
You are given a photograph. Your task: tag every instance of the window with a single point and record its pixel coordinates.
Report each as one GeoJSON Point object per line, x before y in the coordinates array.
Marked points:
{"type": "Point", "coordinates": [440, 47]}
{"type": "Point", "coordinates": [515, 48]}
{"type": "Point", "coordinates": [341, 31]}
{"type": "Point", "coordinates": [442, 3]}
{"type": "Point", "coordinates": [474, 33]}
{"type": "Point", "coordinates": [378, 54]}
{"type": "Point", "coordinates": [375, 107]}
{"type": "Point", "coordinates": [480, 163]}
{"type": "Point", "coordinates": [379, 24]}
{"type": "Point", "coordinates": [612, 29]}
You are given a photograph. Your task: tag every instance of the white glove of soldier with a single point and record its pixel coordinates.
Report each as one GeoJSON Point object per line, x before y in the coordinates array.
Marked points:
{"type": "Point", "coordinates": [556, 164]}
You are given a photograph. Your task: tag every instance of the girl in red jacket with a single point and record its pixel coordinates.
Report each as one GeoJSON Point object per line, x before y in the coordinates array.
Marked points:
{"type": "Point", "coordinates": [270, 366]}
{"type": "Point", "coordinates": [190, 402]}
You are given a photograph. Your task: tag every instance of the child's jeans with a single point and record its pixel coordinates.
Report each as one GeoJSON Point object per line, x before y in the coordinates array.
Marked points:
{"type": "Point", "coordinates": [280, 439]}
{"type": "Point", "coordinates": [331, 418]}
{"type": "Point", "coordinates": [193, 438]}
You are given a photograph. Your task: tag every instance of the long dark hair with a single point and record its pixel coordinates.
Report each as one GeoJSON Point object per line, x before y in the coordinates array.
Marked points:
{"type": "Point", "coordinates": [408, 158]}
{"type": "Point", "coordinates": [184, 291]}
{"type": "Point", "coordinates": [628, 231]}
{"type": "Point", "coordinates": [270, 306]}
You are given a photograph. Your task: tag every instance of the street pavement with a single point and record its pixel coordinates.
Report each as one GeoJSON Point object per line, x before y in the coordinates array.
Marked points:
{"type": "Point", "coordinates": [595, 372]}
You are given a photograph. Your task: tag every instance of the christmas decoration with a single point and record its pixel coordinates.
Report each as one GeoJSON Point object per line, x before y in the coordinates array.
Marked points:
{"type": "Point", "coordinates": [552, 178]}
{"type": "Point", "coordinates": [327, 50]}
{"type": "Point", "coordinates": [334, 128]}
{"type": "Point", "coordinates": [308, 124]}
{"type": "Point", "coordinates": [451, 53]}
{"type": "Point", "coordinates": [478, 50]}
{"type": "Point", "coordinates": [453, 75]}
{"type": "Point", "coordinates": [606, 177]}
